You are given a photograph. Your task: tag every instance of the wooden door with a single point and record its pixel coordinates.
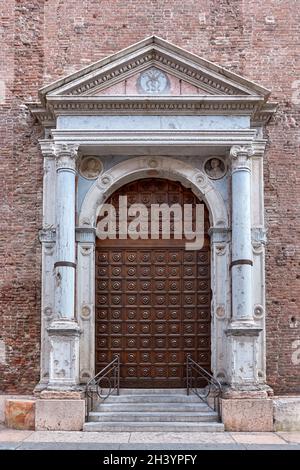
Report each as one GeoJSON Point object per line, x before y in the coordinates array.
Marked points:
{"type": "Point", "coordinates": [152, 298]}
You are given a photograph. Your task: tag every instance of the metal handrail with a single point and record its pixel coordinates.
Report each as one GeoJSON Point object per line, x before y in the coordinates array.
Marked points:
{"type": "Point", "coordinates": [108, 380]}
{"type": "Point", "coordinates": [212, 390]}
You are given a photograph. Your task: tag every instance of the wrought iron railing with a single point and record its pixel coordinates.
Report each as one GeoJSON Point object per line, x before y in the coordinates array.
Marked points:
{"type": "Point", "coordinates": [103, 384]}
{"type": "Point", "coordinates": [196, 377]}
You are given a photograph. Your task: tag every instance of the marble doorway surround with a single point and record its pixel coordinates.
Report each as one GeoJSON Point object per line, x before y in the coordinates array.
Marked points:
{"type": "Point", "coordinates": [153, 110]}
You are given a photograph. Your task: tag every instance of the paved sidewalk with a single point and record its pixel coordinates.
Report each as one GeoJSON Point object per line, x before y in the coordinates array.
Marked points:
{"type": "Point", "coordinates": [55, 440]}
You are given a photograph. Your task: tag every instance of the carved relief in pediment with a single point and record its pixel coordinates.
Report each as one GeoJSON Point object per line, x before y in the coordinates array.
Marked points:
{"type": "Point", "coordinates": [154, 82]}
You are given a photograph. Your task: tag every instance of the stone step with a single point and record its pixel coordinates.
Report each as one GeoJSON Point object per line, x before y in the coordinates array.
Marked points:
{"type": "Point", "coordinates": [130, 426]}
{"type": "Point", "coordinates": [142, 416]}
{"type": "Point", "coordinates": [156, 398]}
{"type": "Point", "coordinates": [150, 391]}
{"type": "Point", "coordinates": [150, 407]}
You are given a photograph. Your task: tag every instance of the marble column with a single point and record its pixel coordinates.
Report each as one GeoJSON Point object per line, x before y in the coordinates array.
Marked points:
{"type": "Point", "coordinates": [64, 331]}
{"type": "Point", "coordinates": [242, 332]}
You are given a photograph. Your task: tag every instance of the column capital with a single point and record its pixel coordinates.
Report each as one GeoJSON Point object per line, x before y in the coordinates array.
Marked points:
{"type": "Point", "coordinates": [66, 156]}
{"type": "Point", "coordinates": [237, 151]}
{"type": "Point", "coordinates": [240, 157]}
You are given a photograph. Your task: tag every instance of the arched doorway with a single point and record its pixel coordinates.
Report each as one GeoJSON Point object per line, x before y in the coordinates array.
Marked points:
{"type": "Point", "coordinates": [152, 297]}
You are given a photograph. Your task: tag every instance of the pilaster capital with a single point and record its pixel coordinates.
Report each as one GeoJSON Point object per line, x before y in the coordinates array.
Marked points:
{"type": "Point", "coordinates": [240, 157]}
{"type": "Point", "coordinates": [47, 148]}
{"type": "Point", "coordinates": [47, 235]}
{"type": "Point", "coordinates": [66, 156]}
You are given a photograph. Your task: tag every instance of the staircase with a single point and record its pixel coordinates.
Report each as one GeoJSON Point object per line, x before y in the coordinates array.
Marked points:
{"type": "Point", "coordinates": [153, 410]}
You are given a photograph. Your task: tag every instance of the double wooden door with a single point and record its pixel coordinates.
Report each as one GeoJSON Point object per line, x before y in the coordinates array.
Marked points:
{"type": "Point", "coordinates": [152, 298]}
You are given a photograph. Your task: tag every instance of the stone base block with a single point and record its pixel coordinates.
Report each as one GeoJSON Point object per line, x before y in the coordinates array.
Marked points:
{"type": "Point", "coordinates": [3, 399]}
{"type": "Point", "coordinates": [60, 415]}
{"type": "Point", "coordinates": [20, 414]}
{"type": "Point", "coordinates": [247, 414]}
{"type": "Point", "coordinates": [287, 414]}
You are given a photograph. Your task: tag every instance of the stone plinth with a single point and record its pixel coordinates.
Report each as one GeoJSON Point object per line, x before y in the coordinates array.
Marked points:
{"type": "Point", "coordinates": [287, 413]}
{"type": "Point", "coordinates": [60, 415]}
{"type": "Point", "coordinates": [20, 414]}
{"type": "Point", "coordinates": [247, 414]}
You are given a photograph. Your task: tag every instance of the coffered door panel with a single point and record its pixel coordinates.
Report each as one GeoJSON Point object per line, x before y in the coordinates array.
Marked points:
{"type": "Point", "coordinates": [152, 299]}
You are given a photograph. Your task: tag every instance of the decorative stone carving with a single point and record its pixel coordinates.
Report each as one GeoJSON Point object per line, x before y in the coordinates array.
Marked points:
{"type": "Point", "coordinates": [215, 168]}
{"type": "Point", "coordinates": [90, 167]}
{"type": "Point", "coordinates": [66, 155]}
{"type": "Point", "coordinates": [153, 81]}
{"type": "Point", "coordinates": [103, 182]}
{"type": "Point", "coordinates": [258, 311]}
{"type": "Point", "coordinates": [48, 313]}
{"type": "Point", "coordinates": [153, 163]}
{"type": "Point", "coordinates": [86, 250]}
{"type": "Point", "coordinates": [201, 180]}
{"type": "Point", "coordinates": [47, 148]}
{"type": "Point", "coordinates": [220, 250]}
{"type": "Point", "coordinates": [64, 355]}
{"type": "Point", "coordinates": [222, 377]}
{"type": "Point", "coordinates": [220, 311]}
{"type": "Point", "coordinates": [259, 237]}
{"type": "Point", "coordinates": [241, 151]}
{"type": "Point", "coordinates": [85, 312]}
{"type": "Point", "coordinates": [47, 235]}
{"type": "Point", "coordinates": [240, 157]}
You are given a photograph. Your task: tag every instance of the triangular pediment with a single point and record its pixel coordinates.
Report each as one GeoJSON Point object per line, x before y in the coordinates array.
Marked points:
{"type": "Point", "coordinates": [121, 74]}
{"type": "Point", "coordinates": [154, 75]}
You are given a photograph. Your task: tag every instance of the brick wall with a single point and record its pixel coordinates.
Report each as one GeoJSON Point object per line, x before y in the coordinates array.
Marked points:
{"type": "Point", "coordinates": [43, 40]}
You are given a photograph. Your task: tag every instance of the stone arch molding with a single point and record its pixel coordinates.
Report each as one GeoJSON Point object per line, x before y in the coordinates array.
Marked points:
{"type": "Point", "coordinates": [160, 167]}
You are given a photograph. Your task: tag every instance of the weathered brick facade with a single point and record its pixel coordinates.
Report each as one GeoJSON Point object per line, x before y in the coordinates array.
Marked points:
{"type": "Point", "coordinates": [43, 40]}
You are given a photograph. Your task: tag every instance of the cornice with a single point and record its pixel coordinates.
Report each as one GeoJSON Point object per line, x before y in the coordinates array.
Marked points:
{"type": "Point", "coordinates": [186, 105]}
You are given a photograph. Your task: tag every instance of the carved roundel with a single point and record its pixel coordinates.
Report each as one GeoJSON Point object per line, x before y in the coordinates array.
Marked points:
{"type": "Point", "coordinates": [90, 167]}
{"type": "Point", "coordinates": [85, 312]}
{"type": "Point", "coordinates": [153, 82]}
{"type": "Point", "coordinates": [215, 168]}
